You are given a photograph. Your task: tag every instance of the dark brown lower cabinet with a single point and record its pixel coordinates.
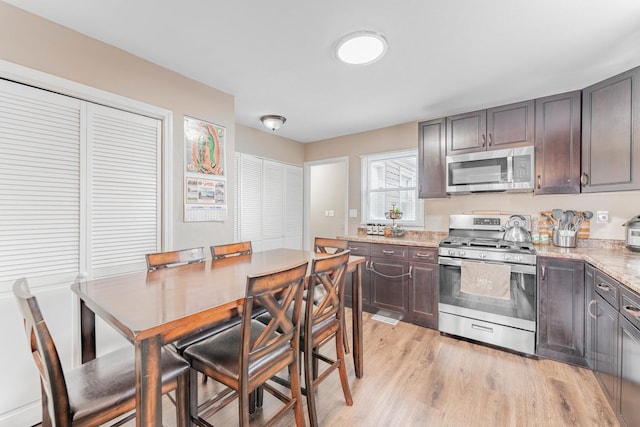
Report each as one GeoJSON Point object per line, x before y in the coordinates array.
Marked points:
{"type": "Point", "coordinates": [402, 280]}
{"type": "Point", "coordinates": [561, 310]}
{"type": "Point", "coordinates": [629, 373]}
{"type": "Point", "coordinates": [606, 349]}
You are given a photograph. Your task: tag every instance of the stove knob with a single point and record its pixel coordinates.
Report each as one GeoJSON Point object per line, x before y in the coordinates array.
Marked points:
{"type": "Point", "coordinates": [460, 253]}
{"type": "Point", "coordinates": [518, 257]}
{"type": "Point", "coordinates": [451, 252]}
{"type": "Point", "coordinates": [483, 255]}
{"type": "Point", "coordinates": [506, 257]}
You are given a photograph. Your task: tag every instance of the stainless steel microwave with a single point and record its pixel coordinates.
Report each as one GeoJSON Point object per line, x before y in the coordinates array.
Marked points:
{"type": "Point", "coordinates": [509, 169]}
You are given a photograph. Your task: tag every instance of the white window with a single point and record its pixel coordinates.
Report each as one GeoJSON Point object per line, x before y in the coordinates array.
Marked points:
{"type": "Point", "coordinates": [390, 180]}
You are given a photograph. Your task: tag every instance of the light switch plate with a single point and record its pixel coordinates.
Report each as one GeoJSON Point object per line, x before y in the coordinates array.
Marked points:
{"type": "Point", "coordinates": [353, 213]}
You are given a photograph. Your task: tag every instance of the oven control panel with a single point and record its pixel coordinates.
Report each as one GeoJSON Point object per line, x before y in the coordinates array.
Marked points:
{"type": "Point", "coordinates": [486, 221]}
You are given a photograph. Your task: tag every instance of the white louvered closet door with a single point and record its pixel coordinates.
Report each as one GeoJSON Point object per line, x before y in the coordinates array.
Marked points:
{"type": "Point", "coordinates": [39, 186]}
{"type": "Point", "coordinates": [123, 176]}
{"type": "Point", "coordinates": [269, 199]}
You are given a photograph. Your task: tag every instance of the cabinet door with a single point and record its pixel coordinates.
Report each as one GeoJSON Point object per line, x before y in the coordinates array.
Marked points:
{"type": "Point", "coordinates": [389, 283]}
{"type": "Point", "coordinates": [467, 132]}
{"type": "Point", "coordinates": [629, 373]}
{"type": "Point", "coordinates": [561, 310]}
{"type": "Point", "coordinates": [557, 144]}
{"type": "Point", "coordinates": [590, 317]}
{"type": "Point", "coordinates": [423, 293]}
{"type": "Point", "coordinates": [606, 349]}
{"type": "Point", "coordinates": [611, 134]}
{"type": "Point", "coordinates": [510, 125]}
{"type": "Point", "coordinates": [431, 157]}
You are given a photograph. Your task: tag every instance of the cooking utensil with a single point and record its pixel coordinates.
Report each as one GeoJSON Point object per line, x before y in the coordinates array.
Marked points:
{"type": "Point", "coordinates": [557, 214]}
{"type": "Point", "coordinates": [587, 214]}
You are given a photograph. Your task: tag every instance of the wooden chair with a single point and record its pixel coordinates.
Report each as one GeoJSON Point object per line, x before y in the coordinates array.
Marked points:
{"type": "Point", "coordinates": [175, 258]}
{"type": "Point", "coordinates": [246, 356]}
{"type": "Point", "coordinates": [323, 322]}
{"type": "Point", "coordinates": [330, 246]}
{"type": "Point", "coordinates": [231, 249]}
{"type": "Point", "coordinates": [98, 391]}
{"type": "Point", "coordinates": [327, 245]}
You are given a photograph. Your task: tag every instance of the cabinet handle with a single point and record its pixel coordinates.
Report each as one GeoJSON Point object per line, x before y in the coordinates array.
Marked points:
{"type": "Point", "coordinates": [634, 311]}
{"type": "Point", "coordinates": [584, 179]}
{"type": "Point", "coordinates": [604, 287]}
{"type": "Point", "coordinates": [592, 302]}
{"type": "Point", "coordinates": [484, 140]}
{"type": "Point", "coordinates": [539, 182]}
{"type": "Point", "coordinates": [388, 252]}
{"type": "Point", "coordinates": [353, 248]}
{"type": "Point", "coordinates": [427, 255]}
{"type": "Point", "coordinates": [543, 270]}
{"type": "Point", "coordinates": [372, 269]}
{"type": "Point", "coordinates": [490, 140]}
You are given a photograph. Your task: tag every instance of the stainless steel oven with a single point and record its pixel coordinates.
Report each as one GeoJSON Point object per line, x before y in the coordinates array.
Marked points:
{"type": "Point", "coordinates": [487, 285]}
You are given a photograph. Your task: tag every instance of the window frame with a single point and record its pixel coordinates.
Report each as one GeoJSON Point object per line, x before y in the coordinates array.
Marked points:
{"type": "Point", "coordinates": [365, 167]}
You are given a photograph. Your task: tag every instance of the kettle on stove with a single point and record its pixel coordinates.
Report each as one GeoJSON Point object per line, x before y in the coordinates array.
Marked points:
{"type": "Point", "coordinates": [515, 230]}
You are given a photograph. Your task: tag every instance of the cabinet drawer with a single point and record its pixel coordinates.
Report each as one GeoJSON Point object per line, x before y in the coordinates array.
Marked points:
{"type": "Point", "coordinates": [608, 288]}
{"type": "Point", "coordinates": [359, 248]}
{"type": "Point", "coordinates": [390, 251]}
{"type": "Point", "coordinates": [423, 254]}
{"type": "Point", "coordinates": [630, 306]}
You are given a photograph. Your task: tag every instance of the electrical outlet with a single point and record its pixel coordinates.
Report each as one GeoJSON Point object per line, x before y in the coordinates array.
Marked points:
{"type": "Point", "coordinates": [602, 217]}
{"type": "Point", "coordinates": [353, 213]}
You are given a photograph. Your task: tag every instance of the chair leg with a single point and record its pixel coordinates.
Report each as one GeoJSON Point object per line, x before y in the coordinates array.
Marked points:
{"type": "Point", "coordinates": [193, 393]}
{"type": "Point", "coordinates": [342, 369]}
{"type": "Point", "coordinates": [296, 392]}
{"type": "Point", "coordinates": [183, 391]}
{"type": "Point", "coordinates": [345, 338]}
{"type": "Point", "coordinates": [46, 417]}
{"type": "Point", "coordinates": [310, 374]}
{"type": "Point", "coordinates": [243, 408]}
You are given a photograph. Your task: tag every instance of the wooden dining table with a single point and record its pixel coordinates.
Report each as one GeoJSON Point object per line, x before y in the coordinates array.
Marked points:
{"type": "Point", "coordinates": [155, 308]}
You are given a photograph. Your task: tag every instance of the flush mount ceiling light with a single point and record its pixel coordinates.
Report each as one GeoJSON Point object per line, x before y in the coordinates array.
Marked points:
{"type": "Point", "coordinates": [273, 122]}
{"type": "Point", "coordinates": [361, 47]}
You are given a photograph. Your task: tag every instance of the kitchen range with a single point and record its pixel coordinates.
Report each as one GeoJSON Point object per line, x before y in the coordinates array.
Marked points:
{"type": "Point", "coordinates": [487, 281]}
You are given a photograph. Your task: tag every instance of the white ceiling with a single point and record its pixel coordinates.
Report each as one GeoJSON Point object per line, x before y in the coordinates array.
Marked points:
{"type": "Point", "coordinates": [444, 56]}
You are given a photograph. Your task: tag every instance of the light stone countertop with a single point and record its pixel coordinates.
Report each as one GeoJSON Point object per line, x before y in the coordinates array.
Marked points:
{"type": "Point", "coordinates": [615, 260]}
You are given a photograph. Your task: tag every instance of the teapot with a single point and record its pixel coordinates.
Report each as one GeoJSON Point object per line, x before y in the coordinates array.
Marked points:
{"type": "Point", "coordinates": [514, 231]}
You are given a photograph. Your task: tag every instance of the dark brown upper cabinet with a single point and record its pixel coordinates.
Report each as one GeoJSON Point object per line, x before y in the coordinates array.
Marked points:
{"type": "Point", "coordinates": [611, 134]}
{"type": "Point", "coordinates": [431, 158]}
{"type": "Point", "coordinates": [557, 144]}
{"type": "Point", "coordinates": [492, 129]}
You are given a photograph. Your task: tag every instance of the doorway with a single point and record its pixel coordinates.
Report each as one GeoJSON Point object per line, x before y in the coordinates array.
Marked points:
{"type": "Point", "coordinates": [326, 199]}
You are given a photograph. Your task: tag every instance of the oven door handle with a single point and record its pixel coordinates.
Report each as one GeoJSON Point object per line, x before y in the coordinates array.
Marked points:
{"type": "Point", "coordinates": [515, 268]}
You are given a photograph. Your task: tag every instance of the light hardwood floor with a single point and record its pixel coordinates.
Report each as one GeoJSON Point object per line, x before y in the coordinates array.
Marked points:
{"type": "Point", "coordinates": [416, 377]}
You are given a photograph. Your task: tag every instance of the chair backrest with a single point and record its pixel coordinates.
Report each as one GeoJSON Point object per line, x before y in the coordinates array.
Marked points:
{"type": "Point", "coordinates": [326, 288]}
{"type": "Point", "coordinates": [173, 258]}
{"type": "Point", "coordinates": [330, 246]}
{"type": "Point", "coordinates": [45, 355]}
{"type": "Point", "coordinates": [231, 249]}
{"type": "Point", "coordinates": [280, 294]}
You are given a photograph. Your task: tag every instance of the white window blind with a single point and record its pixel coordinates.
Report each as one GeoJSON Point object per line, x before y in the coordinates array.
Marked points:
{"type": "Point", "coordinates": [270, 201]}
{"type": "Point", "coordinates": [39, 185]}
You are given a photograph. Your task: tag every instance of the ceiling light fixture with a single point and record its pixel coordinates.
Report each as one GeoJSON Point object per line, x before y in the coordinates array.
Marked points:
{"type": "Point", "coordinates": [361, 47]}
{"type": "Point", "coordinates": [273, 122]}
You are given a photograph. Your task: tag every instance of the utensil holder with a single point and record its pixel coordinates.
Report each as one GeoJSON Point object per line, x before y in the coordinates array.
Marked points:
{"type": "Point", "coordinates": [564, 238]}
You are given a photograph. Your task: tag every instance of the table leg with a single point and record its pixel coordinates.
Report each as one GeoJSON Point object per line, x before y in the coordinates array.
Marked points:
{"type": "Point", "coordinates": [356, 317]}
{"type": "Point", "coordinates": [148, 382]}
{"type": "Point", "coordinates": [87, 333]}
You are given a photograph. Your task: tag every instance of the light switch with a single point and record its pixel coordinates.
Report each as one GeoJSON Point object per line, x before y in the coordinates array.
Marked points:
{"type": "Point", "coordinates": [353, 213]}
{"type": "Point", "coordinates": [331, 212]}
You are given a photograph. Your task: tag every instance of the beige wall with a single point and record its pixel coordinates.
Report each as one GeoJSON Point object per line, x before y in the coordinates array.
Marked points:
{"type": "Point", "coordinates": [621, 205]}
{"type": "Point", "coordinates": [39, 44]}
{"type": "Point", "coordinates": [268, 145]}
